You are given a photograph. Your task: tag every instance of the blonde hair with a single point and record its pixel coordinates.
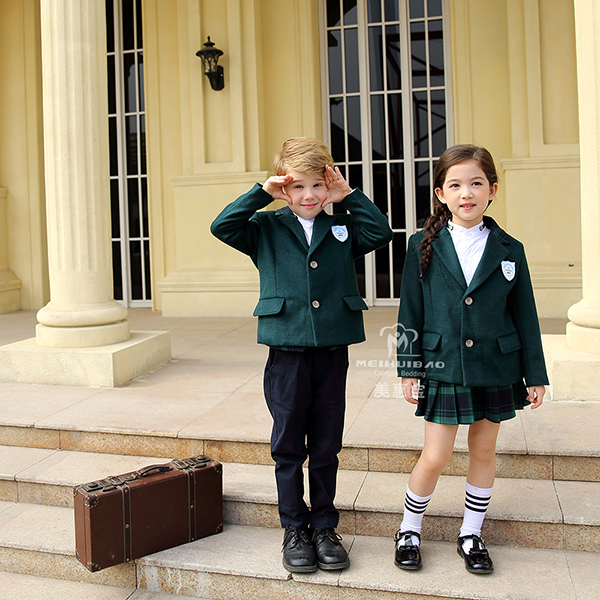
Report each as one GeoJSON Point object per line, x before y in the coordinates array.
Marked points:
{"type": "Point", "coordinates": [302, 154]}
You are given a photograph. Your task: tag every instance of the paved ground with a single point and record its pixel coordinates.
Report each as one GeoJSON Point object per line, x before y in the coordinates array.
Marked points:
{"type": "Point", "coordinates": [212, 389]}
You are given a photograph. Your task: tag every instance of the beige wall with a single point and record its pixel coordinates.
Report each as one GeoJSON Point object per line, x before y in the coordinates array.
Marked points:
{"type": "Point", "coordinates": [10, 284]}
{"type": "Point", "coordinates": [163, 136]}
{"type": "Point", "coordinates": [21, 149]}
{"type": "Point", "coordinates": [291, 90]}
{"type": "Point", "coordinates": [206, 147]}
{"type": "Point", "coordinates": [515, 92]}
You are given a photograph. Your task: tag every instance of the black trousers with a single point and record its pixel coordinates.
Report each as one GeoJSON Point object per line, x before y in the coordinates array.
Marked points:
{"type": "Point", "coordinates": [306, 395]}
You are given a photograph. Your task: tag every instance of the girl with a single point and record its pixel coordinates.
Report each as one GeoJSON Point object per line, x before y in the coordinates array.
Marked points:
{"type": "Point", "coordinates": [467, 296]}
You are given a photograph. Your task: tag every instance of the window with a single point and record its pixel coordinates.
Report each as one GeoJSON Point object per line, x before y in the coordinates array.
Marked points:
{"type": "Point", "coordinates": [127, 135]}
{"type": "Point", "coordinates": [386, 117]}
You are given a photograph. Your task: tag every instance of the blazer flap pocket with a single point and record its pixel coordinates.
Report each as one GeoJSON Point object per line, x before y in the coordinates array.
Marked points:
{"type": "Point", "coordinates": [509, 343]}
{"type": "Point", "coordinates": [268, 306]}
{"type": "Point", "coordinates": [355, 303]}
{"type": "Point", "coordinates": [430, 340]}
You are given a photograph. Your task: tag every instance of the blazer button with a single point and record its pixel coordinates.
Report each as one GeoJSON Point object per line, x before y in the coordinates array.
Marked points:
{"type": "Point", "coordinates": [469, 343]}
{"type": "Point", "coordinates": [313, 264]}
{"type": "Point", "coordinates": [316, 304]}
{"type": "Point", "coordinates": [468, 300]}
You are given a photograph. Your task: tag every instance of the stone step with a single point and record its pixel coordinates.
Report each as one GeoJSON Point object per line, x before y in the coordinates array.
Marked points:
{"type": "Point", "coordinates": [558, 445]}
{"type": "Point", "coordinates": [530, 513]}
{"type": "Point", "coordinates": [44, 476]}
{"type": "Point", "coordinates": [245, 563]}
{"type": "Point", "coordinates": [229, 566]}
{"type": "Point", "coordinates": [15, 586]}
{"type": "Point", "coordinates": [203, 406]}
{"type": "Point", "coordinates": [534, 513]}
{"type": "Point", "coordinates": [40, 540]}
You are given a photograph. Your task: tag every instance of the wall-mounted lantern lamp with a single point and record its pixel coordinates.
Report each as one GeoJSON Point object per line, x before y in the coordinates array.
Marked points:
{"type": "Point", "coordinates": [210, 56]}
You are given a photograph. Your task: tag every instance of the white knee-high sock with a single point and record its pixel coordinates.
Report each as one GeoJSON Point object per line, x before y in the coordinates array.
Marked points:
{"type": "Point", "coordinates": [477, 501]}
{"type": "Point", "coordinates": [414, 508]}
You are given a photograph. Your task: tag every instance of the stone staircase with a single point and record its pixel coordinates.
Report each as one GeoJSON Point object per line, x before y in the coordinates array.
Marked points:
{"type": "Point", "coordinates": [543, 526]}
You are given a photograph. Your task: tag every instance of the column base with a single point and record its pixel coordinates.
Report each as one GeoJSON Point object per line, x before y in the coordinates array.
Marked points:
{"type": "Point", "coordinates": [82, 337]}
{"type": "Point", "coordinates": [583, 339]}
{"type": "Point", "coordinates": [105, 366]}
{"type": "Point", "coordinates": [574, 375]}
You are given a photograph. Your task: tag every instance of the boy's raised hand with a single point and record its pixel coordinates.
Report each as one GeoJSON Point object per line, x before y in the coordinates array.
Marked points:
{"type": "Point", "coordinates": [274, 187]}
{"type": "Point", "coordinates": [336, 185]}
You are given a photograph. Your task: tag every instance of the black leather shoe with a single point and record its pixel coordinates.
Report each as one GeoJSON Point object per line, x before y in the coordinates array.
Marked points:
{"type": "Point", "coordinates": [408, 556]}
{"type": "Point", "coordinates": [477, 560]}
{"type": "Point", "coordinates": [331, 555]}
{"type": "Point", "coordinates": [298, 552]}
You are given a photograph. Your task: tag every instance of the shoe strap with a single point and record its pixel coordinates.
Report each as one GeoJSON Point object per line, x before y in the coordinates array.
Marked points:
{"type": "Point", "coordinates": [478, 548]}
{"type": "Point", "coordinates": [404, 539]}
{"type": "Point", "coordinates": [402, 534]}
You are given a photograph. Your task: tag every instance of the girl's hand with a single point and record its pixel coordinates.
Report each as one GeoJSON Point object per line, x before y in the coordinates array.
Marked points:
{"type": "Point", "coordinates": [337, 186]}
{"type": "Point", "coordinates": [536, 395]}
{"type": "Point", "coordinates": [410, 389]}
{"type": "Point", "coordinates": [274, 187]}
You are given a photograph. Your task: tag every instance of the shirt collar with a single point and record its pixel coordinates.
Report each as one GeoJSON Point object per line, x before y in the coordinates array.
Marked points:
{"type": "Point", "coordinates": [474, 231]}
{"type": "Point", "coordinates": [305, 221]}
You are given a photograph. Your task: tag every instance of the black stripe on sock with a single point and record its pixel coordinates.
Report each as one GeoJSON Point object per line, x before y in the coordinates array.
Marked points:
{"type": "Point", "coordinates": [477, 503]}
{"type": "Point", "coordinates": [415, 507]}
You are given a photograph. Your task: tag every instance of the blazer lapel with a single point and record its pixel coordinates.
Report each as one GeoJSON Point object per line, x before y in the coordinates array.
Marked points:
{"type": "Point", "coordinates": [495, 252]}
{"type": "Point", "coordinates": [289, 219]}
{"type": "Point", "coordinates": [444, 248]}
{"type": "Point", "coordinates": [321, 227]}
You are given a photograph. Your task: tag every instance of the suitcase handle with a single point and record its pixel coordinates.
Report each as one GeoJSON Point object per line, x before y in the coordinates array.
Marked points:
{"type": "Point", "coordinates": [196, 462]}
{"type": "Point", "coordinates": [147, 471]}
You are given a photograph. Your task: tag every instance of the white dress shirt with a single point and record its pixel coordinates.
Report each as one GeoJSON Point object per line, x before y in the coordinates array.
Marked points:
{"type": "Point", "coordinates": [307, 225]}
{"type": "Point", "coordinates": [469, 244]}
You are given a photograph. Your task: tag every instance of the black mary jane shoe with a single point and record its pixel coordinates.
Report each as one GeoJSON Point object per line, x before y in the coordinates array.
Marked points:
{"type": "Point", "coordinates": [477, 560]}
{"type": "Point", "coordinates": [298, 552]}
{"type": "Point", "coordinates": [331, 555]}
{"type": "Point", "coordinates": [407, 556]}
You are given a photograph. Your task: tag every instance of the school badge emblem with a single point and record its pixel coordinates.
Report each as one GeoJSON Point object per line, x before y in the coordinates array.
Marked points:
{"type": "Point", "coordinates": [508, 269]}
{"type": "Point", "coordinates": [340, 232]}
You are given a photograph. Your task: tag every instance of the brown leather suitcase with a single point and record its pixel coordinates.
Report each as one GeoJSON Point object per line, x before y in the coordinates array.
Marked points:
{"type": "Point", "coordinates": [127, 516]}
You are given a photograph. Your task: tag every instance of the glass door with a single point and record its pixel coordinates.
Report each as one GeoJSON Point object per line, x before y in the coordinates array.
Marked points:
{"type": "Point", "coordinates": [386, 102]}
{"type": "Point", "coordinates": [127, 135]}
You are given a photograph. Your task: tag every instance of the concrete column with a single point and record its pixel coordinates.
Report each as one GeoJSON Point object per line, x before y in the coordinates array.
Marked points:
{"type": "Point", "coordinates": [82, 311]}
{"type": "Point", "coordinates": [583, 331]}
{"type": "Point", "coordinates": [574, 359]}
{"type": "Point", "coordinates": [83, 336]}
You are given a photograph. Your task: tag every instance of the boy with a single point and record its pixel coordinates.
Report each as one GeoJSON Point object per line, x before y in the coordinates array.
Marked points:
{"type": "Point", "coordinates": [309, 311]}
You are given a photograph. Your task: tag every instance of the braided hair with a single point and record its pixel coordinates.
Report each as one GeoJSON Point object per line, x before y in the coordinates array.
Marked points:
{"type": "Point", "coordinates": [441, 213]}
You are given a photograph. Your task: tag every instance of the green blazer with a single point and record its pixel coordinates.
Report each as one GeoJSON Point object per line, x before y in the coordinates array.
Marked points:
{"type": "Point", "coordinates": [484, 334]}
{"type": "Point", "coordinates": [308, 295]}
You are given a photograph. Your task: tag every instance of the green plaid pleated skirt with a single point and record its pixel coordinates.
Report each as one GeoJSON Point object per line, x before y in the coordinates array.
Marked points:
{"type": "Point", "coordinates": [452, 404]}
